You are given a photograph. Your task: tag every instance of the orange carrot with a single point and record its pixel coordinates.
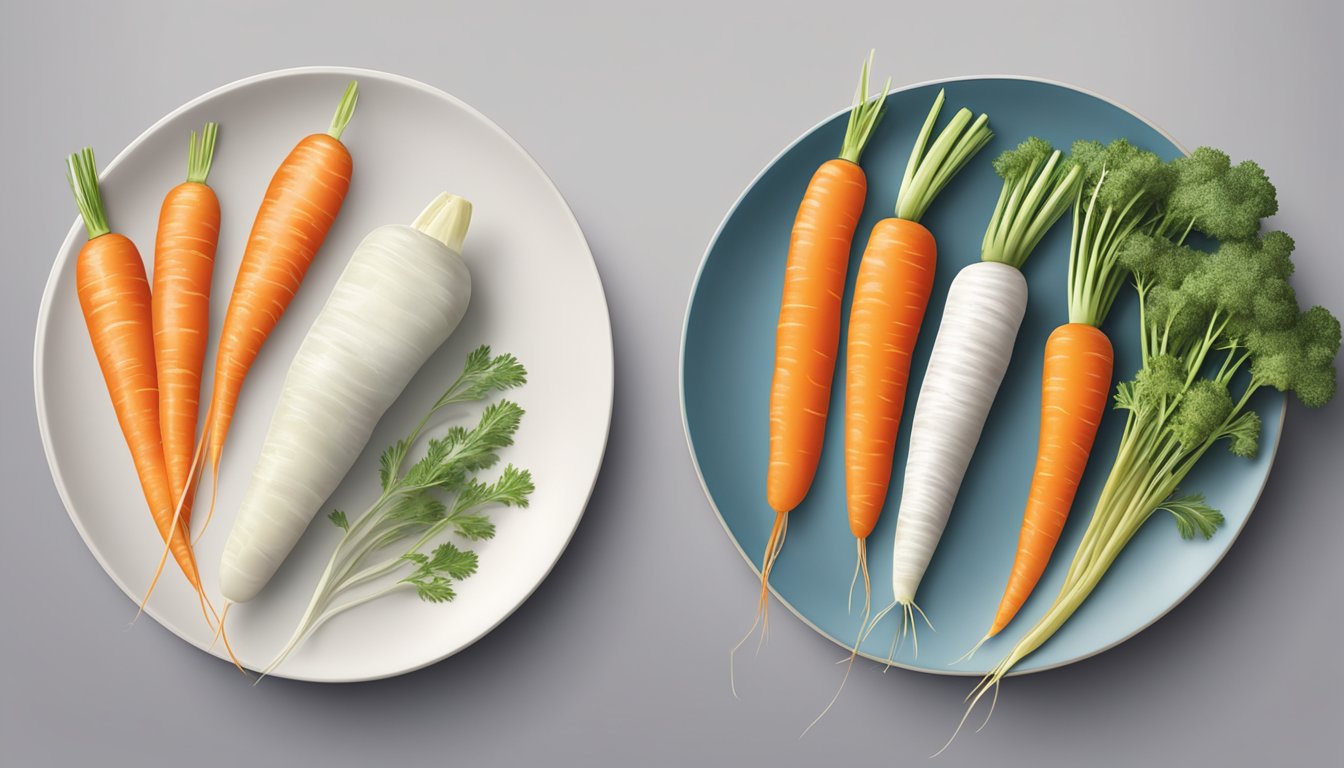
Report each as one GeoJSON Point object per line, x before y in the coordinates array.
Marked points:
{"type": "Point", "coordinates": [1122, 187]}
{"type": "Point", "coordinates": [1075, 388]}
{"type": "Point", "coordinates": [300, 205]}
{"type": "Point", "coordinates": [891, 294]}
{"type": "Point", "coordinates": [808, 333]}
{"type": "Point", "coordinates": [184, 259]}
{"type": "Point", "coordinates": [115, 298]}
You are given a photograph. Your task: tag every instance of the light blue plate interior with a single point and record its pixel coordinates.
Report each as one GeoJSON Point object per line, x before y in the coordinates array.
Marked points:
{"type": "Point", "coordinates": [727, 358]}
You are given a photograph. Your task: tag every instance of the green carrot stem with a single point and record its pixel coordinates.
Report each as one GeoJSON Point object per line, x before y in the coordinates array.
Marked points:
{"type": "Point", "coordinates": [927, 173]}
{"type": "Point", "coordinates": [82, 173]}
{"type": "Point", "coordinates": [201, 153]}
{"type": "Point", "coordinates": [344, 111]}
{"type": "Point", "coordinates": [863, 117]}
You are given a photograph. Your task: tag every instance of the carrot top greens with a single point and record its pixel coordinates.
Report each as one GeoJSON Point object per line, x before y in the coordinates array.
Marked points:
{"type": "Point", "coordinates": [344, 111]}
{"type": "Point", "coordinates": [1038, 187]}
{"type": "Point", "coordinates": [931, 167]}
{"type": "Point", "coordinates": [1217, 327]}
{"type": "Point", "coordinates": [82, 172]}
{"type": "Point", "coordinates": [201, 153]}
{"type": "Point", "coordinates": [1128, 190]}
{"type": "Point", "coordinates": [863, 117]}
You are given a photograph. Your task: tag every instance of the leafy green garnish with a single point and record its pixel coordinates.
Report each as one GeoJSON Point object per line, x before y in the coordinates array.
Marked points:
{"type": "Point", "coordinates": [1193, 516]}
{"type": "Point", "coordinates": [434, 575]}
{"type": "Point", "coordinates": [439, 494]}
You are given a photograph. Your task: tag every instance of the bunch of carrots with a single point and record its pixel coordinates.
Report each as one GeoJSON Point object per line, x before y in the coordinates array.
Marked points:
{"type": "Point", "coordinates": [984, 309]}
{"type": "Point", "coordinates": [891, 294]}
{"type": "Point", "coordinates": [150, 337]}
{"type": "Point", "coordinates": [1131, 215]}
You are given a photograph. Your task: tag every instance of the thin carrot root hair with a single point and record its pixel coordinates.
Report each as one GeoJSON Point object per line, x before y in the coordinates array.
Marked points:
{"type": "Point", "coordinates": [773, 546]}
{"type": "Point", "coordinates": [882, 614]}
{"type": "Point", "coordinates": [200, 458]}
{"type": "Point", "coordinates": [967, 655]}
{"type": "Point", "coordinates": [988, 682]}
{"type": "Point", "coordinates": [908, 612]}
{"type": "Point", "coordinates": [210, 511]}
{"type": "Point", "coordinates": [222, 634]}
{"type": "Point", "coordinates": [206, 608]}
{"type": "Point", "coordinates": [862, 564]}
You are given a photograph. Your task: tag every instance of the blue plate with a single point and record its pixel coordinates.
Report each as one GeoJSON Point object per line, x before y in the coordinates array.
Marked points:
{"type": "Point", "coordinates": [727, 358]}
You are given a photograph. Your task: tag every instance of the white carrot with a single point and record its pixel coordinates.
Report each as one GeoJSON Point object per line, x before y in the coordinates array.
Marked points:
{"type": "Point", "coordinates": [404, 291]}
{"type": "Point", "coordinates": [975, 339]}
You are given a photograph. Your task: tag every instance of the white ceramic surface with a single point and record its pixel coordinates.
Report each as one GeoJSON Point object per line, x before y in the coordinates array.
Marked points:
{"type": "Point", "coordinates": [536, 293]}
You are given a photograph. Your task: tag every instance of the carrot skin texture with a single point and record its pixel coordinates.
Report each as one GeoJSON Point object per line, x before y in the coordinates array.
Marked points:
{"type": "Point", "coordinates": [808, 334]}
{"type": "Point", "coordinates": [1075, 390]}
{"type": "Point", "coordinates": [891, 294]}
{"type": "Point", "coordinates": [300, 205]}
{"type": "Point", "coordinates": [184, 257]}
{"type": "Point", "coordinates": [114, 295]}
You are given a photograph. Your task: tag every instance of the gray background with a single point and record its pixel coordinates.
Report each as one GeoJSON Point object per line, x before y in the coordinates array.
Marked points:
{"type": "Point", "coordinates": [651, 120]}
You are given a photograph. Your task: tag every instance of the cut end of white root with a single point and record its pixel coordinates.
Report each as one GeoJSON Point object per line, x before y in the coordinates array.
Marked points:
{"type": "Point", "coordinates": [446, 219]}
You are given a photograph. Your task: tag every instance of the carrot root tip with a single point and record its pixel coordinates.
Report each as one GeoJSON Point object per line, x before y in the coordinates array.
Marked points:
{"type": "Point", "coordinates": [967, 655]}
{"type": "Point", "coordinates": [773, 545]}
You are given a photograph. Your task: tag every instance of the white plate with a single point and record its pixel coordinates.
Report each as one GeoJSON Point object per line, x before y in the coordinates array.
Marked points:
{"type": "Point", "coordinates": [536, 294]}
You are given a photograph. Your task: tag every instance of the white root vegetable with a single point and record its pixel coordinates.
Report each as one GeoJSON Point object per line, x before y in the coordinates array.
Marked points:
{"type": "Point", "coordinates": [984, 309]}
{"type": "Point", "coordinates": [403, 293]}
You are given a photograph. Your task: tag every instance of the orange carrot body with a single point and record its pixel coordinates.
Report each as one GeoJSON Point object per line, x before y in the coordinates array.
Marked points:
{"type": "Point", "coordinates": [891, 294]}
{"type": "Point", "coordinates": [1075, 390]}
{"type": "Point", "coordinates": [115, 298]}
{"type": "Point", "coordinates": [300, 206]}
{"type": "Point", "coordinates": [184, 258]}
{"type": "Point", "coordinates": [808, 335]}
{"type": "Point", "coordinates": [807, 339]}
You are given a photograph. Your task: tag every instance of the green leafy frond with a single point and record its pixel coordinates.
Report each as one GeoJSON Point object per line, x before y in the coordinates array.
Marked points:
{"type": "Point", "coordinates": [1216, 198]}
{"type": "Point", "coordinates": [337, 517]}
{"type": "Point", "coordinates": [473, 527]}
{"type": "Point", "coordinates": [1193, 516]}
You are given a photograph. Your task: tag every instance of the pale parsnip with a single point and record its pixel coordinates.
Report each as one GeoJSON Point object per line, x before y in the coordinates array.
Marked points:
{"type": "Point", "coordinates": [984, 308]}
{"type": "Point", "coordinates": [403, 293]}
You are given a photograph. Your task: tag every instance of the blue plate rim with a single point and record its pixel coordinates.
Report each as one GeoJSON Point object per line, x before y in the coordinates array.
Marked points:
{"type": "Point", "coordinates": [695, 459]}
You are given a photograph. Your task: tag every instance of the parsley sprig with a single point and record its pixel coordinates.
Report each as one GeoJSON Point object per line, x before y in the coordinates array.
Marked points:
{"type": "Point", "coordinates": [438, 494]}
